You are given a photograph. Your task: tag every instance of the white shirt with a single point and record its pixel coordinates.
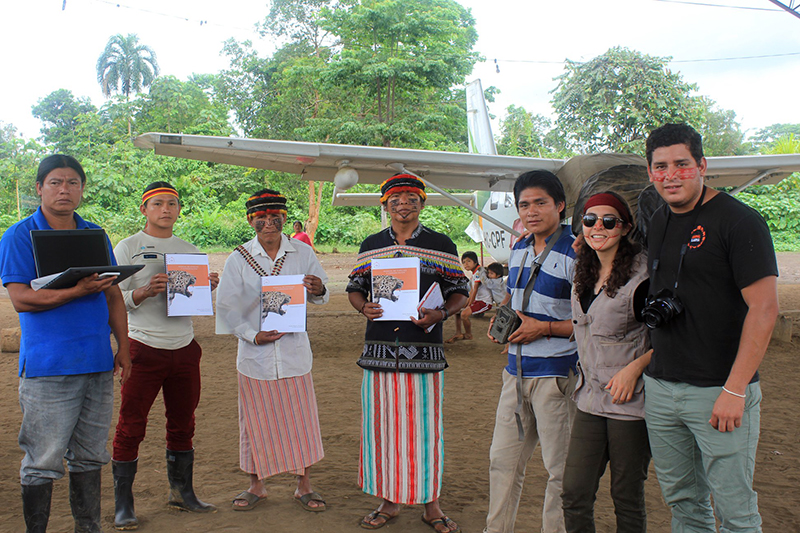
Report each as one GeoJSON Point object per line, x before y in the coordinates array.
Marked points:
{"type": "Point", "coordinates": [148, 322]}
{"type": "Point", "coordinates": [239, 313]}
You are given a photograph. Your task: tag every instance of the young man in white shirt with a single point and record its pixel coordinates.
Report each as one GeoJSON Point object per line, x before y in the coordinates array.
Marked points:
{"type": "Point", "coordinates": [165, 358]}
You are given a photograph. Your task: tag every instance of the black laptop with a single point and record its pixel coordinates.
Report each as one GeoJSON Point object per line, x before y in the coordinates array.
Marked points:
{"type": "Point", "coordinates": [66, 256]}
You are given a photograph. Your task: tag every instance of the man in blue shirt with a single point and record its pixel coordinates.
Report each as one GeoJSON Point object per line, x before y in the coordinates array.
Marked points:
{"type": "Point", "coordinates": [535, 402]}
{"type": "Point", "coordinates": [66, 361]}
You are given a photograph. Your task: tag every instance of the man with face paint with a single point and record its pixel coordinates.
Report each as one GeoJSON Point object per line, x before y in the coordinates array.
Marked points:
{"type": "Point", "coordinates": [402, 445]}
{"type": "Point", "coordinates": [278, 421]}
{"type": "Point", "coordinates": [713, 255]}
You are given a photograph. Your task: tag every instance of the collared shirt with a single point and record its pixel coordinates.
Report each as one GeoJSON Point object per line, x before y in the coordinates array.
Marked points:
{"type": "Point", "coordinates": [70, 339]}
{"type": "Point", "coordinates": [549, 301]}
{"type": "Point", "coordinates": [239, 310]}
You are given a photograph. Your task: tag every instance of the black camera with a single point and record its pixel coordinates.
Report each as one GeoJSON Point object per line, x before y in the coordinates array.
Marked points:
{"type": "Point", "coordinates": [505, 323]}
{"type": "Point", "coordinates": [661, 308]}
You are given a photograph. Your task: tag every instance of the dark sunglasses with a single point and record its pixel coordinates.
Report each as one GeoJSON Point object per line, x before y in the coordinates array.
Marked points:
{"type": "Point", "coordinates": [609, 221]}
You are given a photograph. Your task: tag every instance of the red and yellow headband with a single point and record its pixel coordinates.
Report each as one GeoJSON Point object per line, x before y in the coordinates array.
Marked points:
{"type": "Point", "coordinates": [265, 202]}
{"type": "Point", "coordinates": [155, 192]}
{"type": "Point", "coordinates": [402, 183]}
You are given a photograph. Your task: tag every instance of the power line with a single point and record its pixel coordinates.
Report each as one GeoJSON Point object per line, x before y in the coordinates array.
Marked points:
{"type": "Point", "coordinates": [168, 15]}
{"type": "Point", "coordinates": [734, 58]}
{"type": "Point", "coordinates": [704, 4]}
{"type": "Point", "coordinates": [738, 58]}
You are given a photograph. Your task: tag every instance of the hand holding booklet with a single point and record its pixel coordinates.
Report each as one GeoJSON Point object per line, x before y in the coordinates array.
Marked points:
{"type": "Point", "coordinates": [283, 304]}
{"type": "Point", "coordinates": [395, 286]}
{"type": "Point", "coordinates": [433, 299]}
{"type": "Point", "coordinates": [188, 286]}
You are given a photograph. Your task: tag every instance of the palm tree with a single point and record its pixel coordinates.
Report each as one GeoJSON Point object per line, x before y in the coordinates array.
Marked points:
{"type": "Point", "coordinates": [125, 67]}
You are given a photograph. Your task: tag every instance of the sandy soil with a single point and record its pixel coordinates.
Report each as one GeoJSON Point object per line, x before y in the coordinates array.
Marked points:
{"type": "Point", "coordinates": [472, 385]}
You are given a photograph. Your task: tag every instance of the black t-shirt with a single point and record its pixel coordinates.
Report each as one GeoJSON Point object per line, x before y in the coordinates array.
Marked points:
{"type": "Point", "coordinates": [729, 248]}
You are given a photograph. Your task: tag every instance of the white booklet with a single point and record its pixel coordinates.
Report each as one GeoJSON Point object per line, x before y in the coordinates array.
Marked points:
{"type": "Point", "coordinates": [395, 286]}
{"type": "Point", "coordinates": [188, 287]}
{"type": "Point", "coordinates": [433, 299]}
{"type": "Point", "coordinates": [283, 303]}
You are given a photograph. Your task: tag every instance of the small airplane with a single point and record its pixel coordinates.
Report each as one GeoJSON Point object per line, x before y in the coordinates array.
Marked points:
{"type": "Point", "coordinates": [491, 175]}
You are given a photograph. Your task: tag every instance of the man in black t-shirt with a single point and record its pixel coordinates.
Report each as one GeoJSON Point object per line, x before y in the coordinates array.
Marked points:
{"type": "Point", "coordinates": [714, 255]}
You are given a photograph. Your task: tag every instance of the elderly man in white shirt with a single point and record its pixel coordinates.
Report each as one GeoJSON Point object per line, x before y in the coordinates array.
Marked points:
{"type": "Point", "coordinates": [278, 421]}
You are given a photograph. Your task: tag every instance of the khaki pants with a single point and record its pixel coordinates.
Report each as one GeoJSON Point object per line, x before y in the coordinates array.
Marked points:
{"type": "Point", "coordinates": [547, 418]}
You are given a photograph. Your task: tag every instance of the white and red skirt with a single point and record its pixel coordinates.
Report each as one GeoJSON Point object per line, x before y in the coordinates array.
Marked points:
{"type": "Point", "coordinates": [278, 426]}
{"type": "Point", "coordinates": [402, 441]}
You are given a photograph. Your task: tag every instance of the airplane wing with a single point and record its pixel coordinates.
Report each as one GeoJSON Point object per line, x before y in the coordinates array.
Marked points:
{"type": "Point", "coordinates": [320, 162]}
{"type": "Point", "coordinates": [744, 170]}
{"type": "Point", "coordinates": [449, 170]}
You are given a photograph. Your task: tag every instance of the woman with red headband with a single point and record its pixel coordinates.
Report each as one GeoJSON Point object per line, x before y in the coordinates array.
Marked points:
{"type": "Point", "coordinates": [610, 287]}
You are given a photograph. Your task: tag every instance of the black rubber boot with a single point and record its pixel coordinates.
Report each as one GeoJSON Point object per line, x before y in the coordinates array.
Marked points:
{"type": "Point", "coordinates": [181, 494]}
{"type": "Point", "coordinates": [84, 498]}
{"type": "Point", "coordinates": [36, 506]}
{"type": "Point", "coordinates": [124, 474]}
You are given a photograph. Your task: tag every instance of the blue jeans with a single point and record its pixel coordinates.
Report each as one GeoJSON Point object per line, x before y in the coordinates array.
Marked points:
{"type": "Point", "coordinates": [64, 417]}
{"type": "Point", "coordinates": [693, 460]}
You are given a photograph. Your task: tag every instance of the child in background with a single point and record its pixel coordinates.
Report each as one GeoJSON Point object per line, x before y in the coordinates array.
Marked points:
{"type": "Point", "coordinates": [487, 287]}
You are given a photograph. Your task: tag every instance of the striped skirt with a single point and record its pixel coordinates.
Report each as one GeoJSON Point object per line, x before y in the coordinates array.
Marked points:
{"type": "Point", "coordinates": [278, 426]}
{"type": "Point", "coordinates": [402, 442]}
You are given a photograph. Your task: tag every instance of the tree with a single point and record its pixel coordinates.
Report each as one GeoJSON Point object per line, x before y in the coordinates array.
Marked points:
{"type": "Point", "coordinates": [189, 107]}
{"type": "Point", "coordinates": [722, 135]}
{"type": "Point", "coordinates": [60, 112]}
{"type": "Point", "coordinates": [125, 66]}
{"type": "Point", "coordinates": [528, 135]}
{"type": "Point", "coordinates": [18, 160]}
{"type": "Point", "coordinates": [611, 102]}
{"type": "Point", "coordinates": [765, 137]}
{"type": "Point", "coordinates": [298, 21]}
{"type": "Point", "coordinates": [396, 70]}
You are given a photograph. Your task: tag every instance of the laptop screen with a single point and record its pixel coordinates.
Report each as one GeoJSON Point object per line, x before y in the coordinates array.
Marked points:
{"type": "Point", "coordinates": [57, 250]}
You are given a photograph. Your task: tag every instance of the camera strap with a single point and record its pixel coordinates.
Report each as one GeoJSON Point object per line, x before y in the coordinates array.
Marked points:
{"type": "Point", "coordinates": [685, 246]}
{"type": "Point", "coordinates": [536, 266]}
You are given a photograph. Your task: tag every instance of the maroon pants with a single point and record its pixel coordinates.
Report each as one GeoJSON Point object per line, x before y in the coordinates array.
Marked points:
{"type": "Point", "coordinates": [177, 372]}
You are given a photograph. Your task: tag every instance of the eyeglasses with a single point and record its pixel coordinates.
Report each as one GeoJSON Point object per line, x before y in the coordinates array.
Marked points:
{"type": "Point", "coordinates": [609, 221]}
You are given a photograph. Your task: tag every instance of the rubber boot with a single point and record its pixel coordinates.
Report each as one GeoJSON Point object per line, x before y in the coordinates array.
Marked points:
{"type": "Point", "coordinates": [181, 494]}
{"type": "Point", "coordinates": [36, 506]}
{"type": "Point", "coordinates": [124, 474]}
{"type": "Point", "coordinates": [84, 498]}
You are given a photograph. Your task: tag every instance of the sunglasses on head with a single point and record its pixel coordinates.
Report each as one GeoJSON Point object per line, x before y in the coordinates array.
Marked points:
{"type": "Point", "coordinates": [609, 221]}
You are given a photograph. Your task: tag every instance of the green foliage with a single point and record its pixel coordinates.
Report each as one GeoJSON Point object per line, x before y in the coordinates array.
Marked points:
{"type": "Point", "coordinates": [765, 137]}
{"type": "Point", "coordinates": [527, 135]}
{"type": "Point", "coordinates": [611, 102]}
{"type": "Point", "coordinates": [61, 114]}
{"type": "Point", "coordinates": [722, 135]}
{"type": "Point", "coordinates": [388, 82]}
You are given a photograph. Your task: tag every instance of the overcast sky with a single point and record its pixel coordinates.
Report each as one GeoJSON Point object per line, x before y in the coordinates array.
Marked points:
{"type": "Point", "coordinates": [51, 44]}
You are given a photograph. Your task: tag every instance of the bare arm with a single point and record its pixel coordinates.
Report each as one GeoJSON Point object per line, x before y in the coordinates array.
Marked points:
{"type": "Point", "coordinates": [27, 300]}
{"type": "Point", "coordinates": [761, 298]}
{"type": "Point", "coordinates": [473, 292]}
{"type": "Point", "coordinates": [454, 303]}
{"type": "Point", "coordinates": [156, 285]}
{"type": "Point", "coordinates": [360, 303]}
{"type": "Point", "coordinates": [532, 329]}
{"type": "Point", "coordinates": [118, 321]}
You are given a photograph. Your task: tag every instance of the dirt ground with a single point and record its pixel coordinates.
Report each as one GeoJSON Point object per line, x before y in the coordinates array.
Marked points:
{"type": "Point", "coordinates": [472, 385]}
